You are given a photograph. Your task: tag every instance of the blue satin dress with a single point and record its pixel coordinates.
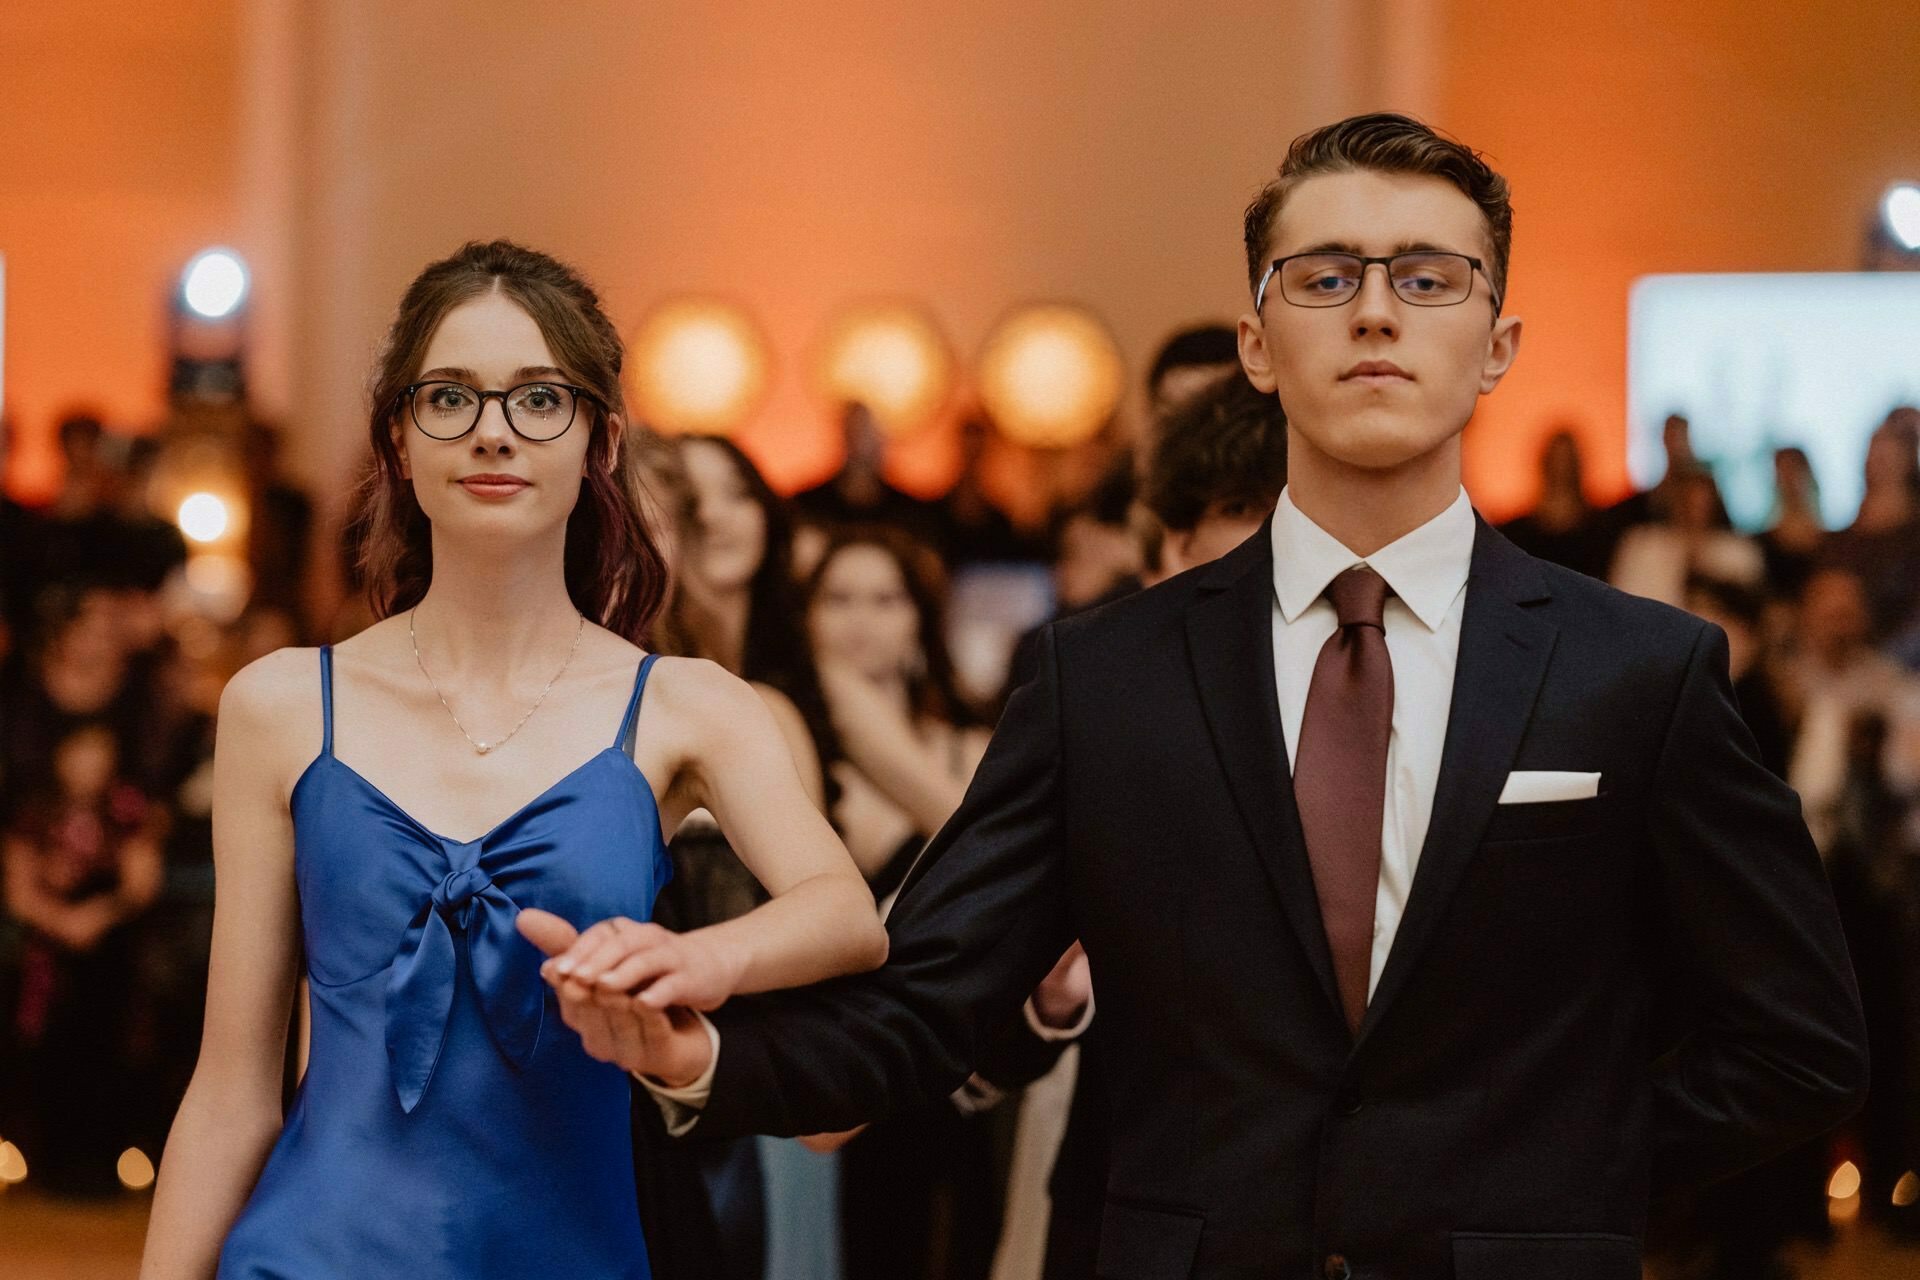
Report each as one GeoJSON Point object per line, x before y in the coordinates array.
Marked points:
{"type": "Point", "coordinates": [450, 1124]}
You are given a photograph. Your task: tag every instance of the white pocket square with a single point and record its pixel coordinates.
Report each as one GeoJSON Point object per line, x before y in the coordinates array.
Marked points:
{"type": "Point", "coordinates": [1537, 786]}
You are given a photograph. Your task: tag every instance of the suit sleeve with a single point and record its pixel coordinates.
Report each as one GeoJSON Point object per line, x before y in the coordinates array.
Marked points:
{"type": "Point", "coordinates": [981, 919]}
{"type": "Point", "coordinates": [1775, 1047]}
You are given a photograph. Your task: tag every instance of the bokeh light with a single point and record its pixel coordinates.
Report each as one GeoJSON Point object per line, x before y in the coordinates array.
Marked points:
{"type": "Point", "coordinates": [1050, 375]}
{"type": "Point", "coordinates": [1901, 210]}
{"type": "Point", "coordinates": [135, 1169]}
{"type": "Point", "coordinates": [891, 357]}
{"type": "Point", "coordinates": [699, 365]}
{"type": "Point", "coordinates": [214, 283]}
{"type": "Point", "coordinates": [13, 1165]}
{"type": "Point", "coordinates": [202, 517]}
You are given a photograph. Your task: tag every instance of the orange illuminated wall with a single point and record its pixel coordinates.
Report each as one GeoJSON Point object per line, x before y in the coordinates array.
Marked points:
{"type": "Point", "coordinates": [116, 139]}
{"type": "Point", "coordinates": [1649, 137]}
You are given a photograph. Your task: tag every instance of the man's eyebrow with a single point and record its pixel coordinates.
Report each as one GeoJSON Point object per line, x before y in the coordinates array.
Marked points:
{"type": "Point", "coordinates": [1405, 246]}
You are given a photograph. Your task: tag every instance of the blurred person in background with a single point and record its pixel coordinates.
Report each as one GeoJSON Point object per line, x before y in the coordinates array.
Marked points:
{"type": "Point", "coordinates": [858, 492]}
{"type": "Point", "coordinates": [1563, 526]}
{"type": "Point", "coordinates": [734, 602]}
{"type": "Point", "coordinates": [1657, 559]}
{"type": "Point", "coordinates": [1833, 677]}
{"type": "Point", "coordinates": [920, 1193]}
{"type": "Point", "coordinates": [1648, 506]}
{"type": "Point", "coordinates": [1213, 471]}
{"type": "Point", "coordinates": [972, 528]}
{"type": "Point", "coordinates": [81, 861]}
{"type": "Point", "coordinates": [1792, 544]}
{"type": "Point", "coordinates": [1882, 545]}
{"type": "Point", "coordinates": [1188, 363]}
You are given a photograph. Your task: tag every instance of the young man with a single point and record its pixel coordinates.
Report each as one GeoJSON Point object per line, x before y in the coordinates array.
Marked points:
{"type": "Point", "coordinates": [1213, 471]}
{"type": "Point", "coordinates": [1393, 849]}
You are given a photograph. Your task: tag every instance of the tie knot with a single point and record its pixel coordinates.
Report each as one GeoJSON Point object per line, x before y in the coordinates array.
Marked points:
{"type": "Point", "coordinates": [1359, 597]}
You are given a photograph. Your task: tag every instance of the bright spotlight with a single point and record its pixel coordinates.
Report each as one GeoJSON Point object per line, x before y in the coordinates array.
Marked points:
{"type": "Point", "coordinates": [699, 366]}
{"type": "Point", "coordinates": [214, 284]}
{"type": "Point", "coordinates": [1050, 375]}
{"type": "Point", "coordinates": [1901, 212]}
{"type": "Point", "coordinates": [202, 517]}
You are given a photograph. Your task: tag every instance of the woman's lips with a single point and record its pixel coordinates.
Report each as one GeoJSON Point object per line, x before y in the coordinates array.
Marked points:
{"type": "Point", "coordinates": [493, 486]}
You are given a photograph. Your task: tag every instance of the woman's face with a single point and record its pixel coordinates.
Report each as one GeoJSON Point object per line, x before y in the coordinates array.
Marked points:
{"type": "Point", "coordinates": [731, 524]}
{"type": "Point", "coordinates": [862, 615]}
{"type": "Point", "coordinates": [492, 483]}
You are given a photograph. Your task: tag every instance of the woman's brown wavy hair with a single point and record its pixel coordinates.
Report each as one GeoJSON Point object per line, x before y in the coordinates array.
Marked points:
{"type": "Point", "coordinates": [615, 572]}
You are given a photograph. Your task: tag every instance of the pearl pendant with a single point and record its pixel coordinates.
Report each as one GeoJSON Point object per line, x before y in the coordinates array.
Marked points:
{"type": "Point", "coordinates": [483, 747]}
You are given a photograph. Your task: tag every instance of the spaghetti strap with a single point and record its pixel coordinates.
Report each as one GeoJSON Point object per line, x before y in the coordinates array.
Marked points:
{"type": "Point", "coordinates": [326, 699]}
{"type": "Point", "coordinates": [624, 738]}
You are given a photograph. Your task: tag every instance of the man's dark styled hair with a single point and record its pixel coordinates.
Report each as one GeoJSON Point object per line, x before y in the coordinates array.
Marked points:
{"type": "Point", "coordinates": [1228, 445]}
{"type": "Point", "coordinates": [1202, 346]}
{"type": "Point", "coordinates": [1385, 143]}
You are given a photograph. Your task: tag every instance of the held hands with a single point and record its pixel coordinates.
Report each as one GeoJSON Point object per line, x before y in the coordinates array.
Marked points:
{"type": "Point", "coordinates": [595, 974]}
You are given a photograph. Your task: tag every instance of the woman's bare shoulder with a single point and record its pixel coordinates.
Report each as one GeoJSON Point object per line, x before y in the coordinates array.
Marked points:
{"type": "Point", "coordinates": [273, 706]}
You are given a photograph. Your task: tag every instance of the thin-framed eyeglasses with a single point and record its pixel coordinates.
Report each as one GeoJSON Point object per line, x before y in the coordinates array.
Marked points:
{"type": "Point", "coordinates": [1419, 277]}
{"type": "Point", "coordinates": [535, 411]}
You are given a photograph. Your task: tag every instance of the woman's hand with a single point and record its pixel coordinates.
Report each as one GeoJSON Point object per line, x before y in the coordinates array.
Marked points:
{"type": "Point", "coordinates": [668, 1045]}
{"type": "Point", "coordinates": [655, 966]}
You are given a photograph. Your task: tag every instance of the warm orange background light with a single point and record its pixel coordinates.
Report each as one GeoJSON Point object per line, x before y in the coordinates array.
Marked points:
{"type": "Point", "coordinates": [890, 356]}
{"type": "Point", "coordinates": [698, 365]}
{"type": "Point", "coordinates": [965, 157]}
{"type": "Point", "coordinates": [1050, 375]}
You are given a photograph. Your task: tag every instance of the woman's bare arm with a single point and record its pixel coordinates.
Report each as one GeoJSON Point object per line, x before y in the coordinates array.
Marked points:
{"type": "Point", "coordinates": [793, 728]}
{"type": "Point", "coordinates": [231, 1114]}
{"type": "Point", "coordinates": [882, 743]}
{"type": "Point", "coordinates": [820, 923]}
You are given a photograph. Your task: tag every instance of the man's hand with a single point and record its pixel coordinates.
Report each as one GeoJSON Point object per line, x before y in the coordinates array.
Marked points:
{"type": "Point", "coordinates": [1062, 995]}
{"type": "Point", "coordinates": [667, 1044]}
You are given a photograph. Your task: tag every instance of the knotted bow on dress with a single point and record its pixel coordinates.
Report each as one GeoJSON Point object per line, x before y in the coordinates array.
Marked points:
{"type": "Point", "coordinates": [465, 906]}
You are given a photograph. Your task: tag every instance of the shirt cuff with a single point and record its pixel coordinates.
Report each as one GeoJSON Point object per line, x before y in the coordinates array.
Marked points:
{"type": "Point", "coordinates": [1056, 1035]}
{"type": "Point", "coordinates": [680, 1107]}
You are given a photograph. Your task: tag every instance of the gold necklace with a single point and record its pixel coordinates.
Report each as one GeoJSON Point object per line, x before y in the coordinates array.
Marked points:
{"type": "Point", "coordinates": [484, 747]}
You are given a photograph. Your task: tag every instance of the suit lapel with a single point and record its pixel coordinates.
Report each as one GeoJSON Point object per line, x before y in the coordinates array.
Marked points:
{"type": "Point", "coordinates": [1504, 649]}
{"type": "Point", "coordinates": [1230, 642]}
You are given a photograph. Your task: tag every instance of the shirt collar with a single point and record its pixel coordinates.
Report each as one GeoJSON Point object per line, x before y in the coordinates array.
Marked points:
{"type": "Point", "coordinates": [1425, 568]}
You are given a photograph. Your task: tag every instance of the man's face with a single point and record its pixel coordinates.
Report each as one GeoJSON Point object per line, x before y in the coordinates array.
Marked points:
{"type": "Point", "coordinates": [1378, 382]}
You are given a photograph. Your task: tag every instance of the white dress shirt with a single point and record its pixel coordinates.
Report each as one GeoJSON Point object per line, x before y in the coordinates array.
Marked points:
{"type": "Point", "coordinates": [1427, 570]}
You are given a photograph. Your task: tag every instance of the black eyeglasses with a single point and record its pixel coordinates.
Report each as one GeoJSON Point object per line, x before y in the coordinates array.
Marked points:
{"type": "Point", "coordinates": [1422, 277]}
{"type": "Point", "coordinates": [536, 411]}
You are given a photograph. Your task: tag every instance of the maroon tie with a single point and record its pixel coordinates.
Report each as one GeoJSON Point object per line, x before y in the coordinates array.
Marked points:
{"type": "Point", "coordinates": [1340, 776]}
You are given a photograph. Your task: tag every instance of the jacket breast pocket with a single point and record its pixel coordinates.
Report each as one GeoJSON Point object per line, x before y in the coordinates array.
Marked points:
{"type": "Point", "coordinates": [1550, 820]}
{"type": "Point", "coordinates": [1147, 1242]}
{"type": "Point", "coordinates": [1482, 1255]}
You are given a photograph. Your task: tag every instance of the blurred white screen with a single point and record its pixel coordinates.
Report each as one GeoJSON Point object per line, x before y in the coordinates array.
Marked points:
{"type": "Point", "coordinates": [1757, 362]}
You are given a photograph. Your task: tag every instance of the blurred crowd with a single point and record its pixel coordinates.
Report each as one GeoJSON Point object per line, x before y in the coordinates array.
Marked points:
{"type": "Point", "coordinates": [883, 629]}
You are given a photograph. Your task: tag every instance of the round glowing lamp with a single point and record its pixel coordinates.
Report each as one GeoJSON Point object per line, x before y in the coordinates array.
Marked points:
{"type": "Point", "coordinates": [214, 285]}
{"type": "Point", "coordinates": [1050, 375]}
{"type": "Point", "coordinates": [699, 366]}
{"type": "Point", "coordinates": [891, 357]}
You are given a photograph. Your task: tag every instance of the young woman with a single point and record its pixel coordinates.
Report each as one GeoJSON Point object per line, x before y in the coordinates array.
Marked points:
{"type": "Point", "coordinates": [876, 617]}
{"type": "Point", "coordinates": [470, 771]}
{"type": "Point", "coordinates": [920, 1197]}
